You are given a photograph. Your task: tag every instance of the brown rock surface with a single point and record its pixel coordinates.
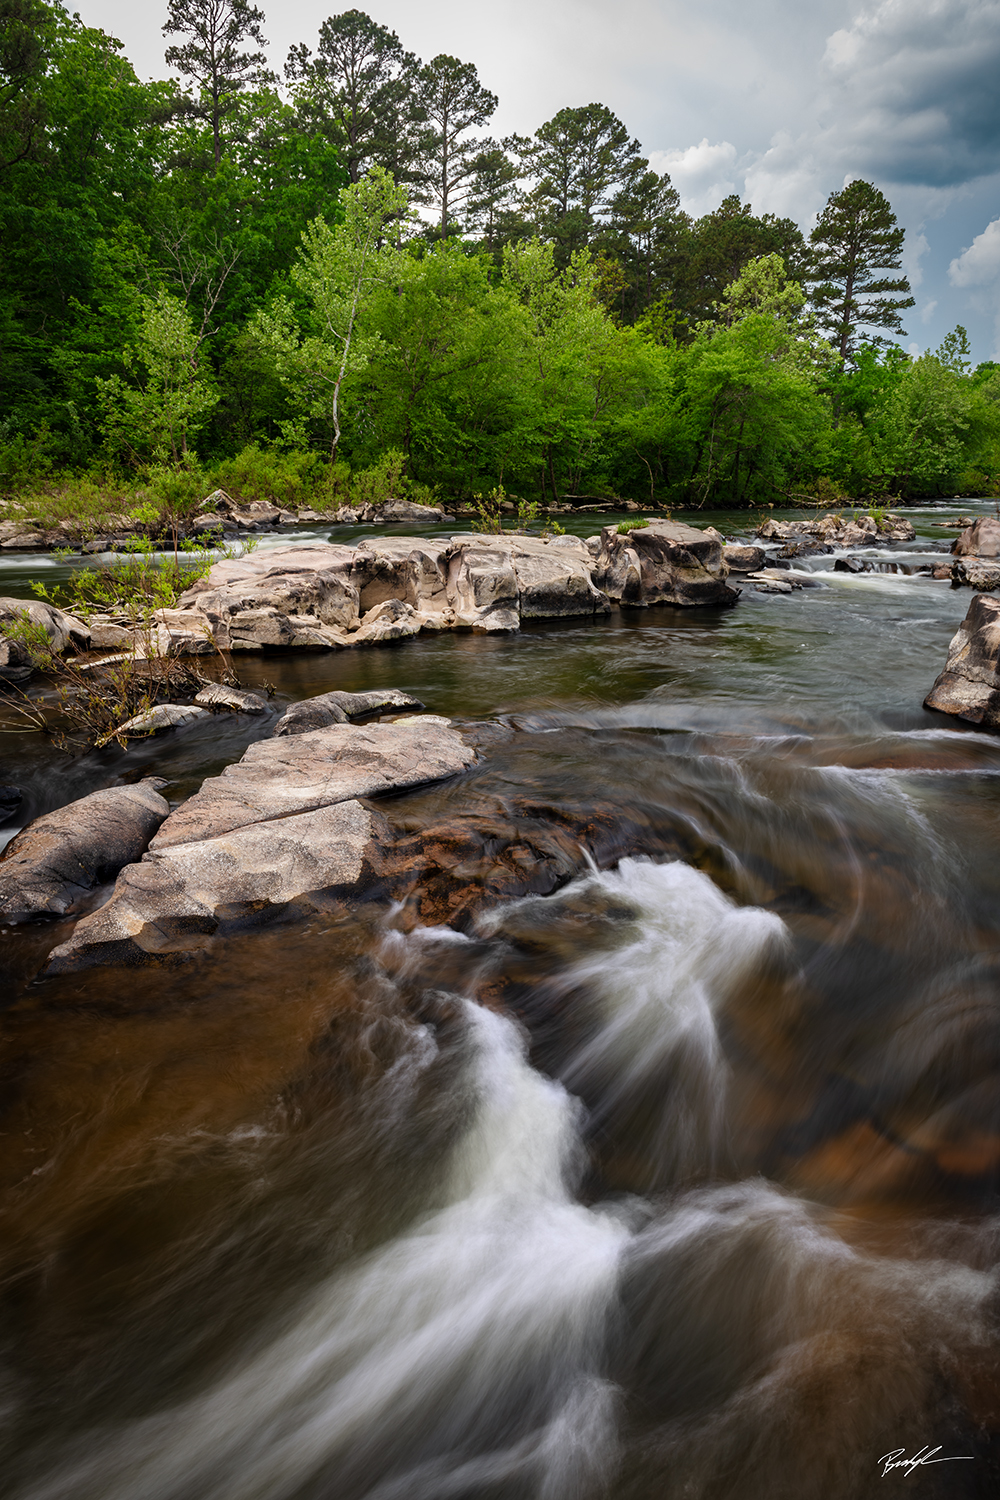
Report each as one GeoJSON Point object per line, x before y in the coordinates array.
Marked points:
{"type": "Point", "coordinates": [338, 708]}
{"type": "Point", "coordinates": [51, 864]}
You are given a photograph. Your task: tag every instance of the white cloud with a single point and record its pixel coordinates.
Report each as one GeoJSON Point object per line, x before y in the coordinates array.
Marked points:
{"type": "Point", "coordinates": [702, 174]}
{"type": "Point", "coordinates": [927, 311]}
{"type": "Point", "coordinates": [979, 265]}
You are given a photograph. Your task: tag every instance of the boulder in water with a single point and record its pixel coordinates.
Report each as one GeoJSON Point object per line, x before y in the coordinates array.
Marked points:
{"type": "Point", "coordinates": [338, 708]}
{"type": "Point", "coordinates": [662, 563]}
{"type": "Point", "coordinates": [969, 686]}
{"type": "Point", "coordinates": [172, 904]}
{"type": "Point", "coordinates": [58, 858]}
{"type": "Point", "coordinates": [981, 539]}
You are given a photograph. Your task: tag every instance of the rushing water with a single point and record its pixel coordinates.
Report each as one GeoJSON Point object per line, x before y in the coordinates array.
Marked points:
{"type": "Point", "coordinates": [680, 1182]}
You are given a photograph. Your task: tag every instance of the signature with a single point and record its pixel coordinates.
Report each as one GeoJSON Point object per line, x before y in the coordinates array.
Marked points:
{"type": "Point", "coordinates": [897, 1459]}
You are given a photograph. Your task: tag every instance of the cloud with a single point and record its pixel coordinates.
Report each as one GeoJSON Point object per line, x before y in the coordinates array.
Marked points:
{"type": "Point", "coordinates": [702, 174]}
{"type": "Point", "coordinates": [927, 311]}
{"type": "Point", "coordinates": [978, 269]}
{"type": "Point", "coordinates": [979, 265]}
{"type": "Point", "coordinates": [914, 84]}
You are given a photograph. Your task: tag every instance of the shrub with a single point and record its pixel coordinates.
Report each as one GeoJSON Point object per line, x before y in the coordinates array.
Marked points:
{"type": "Point", "coordinates": [624, 527]}
{"type": "Point", "coordinates": [288, 479]}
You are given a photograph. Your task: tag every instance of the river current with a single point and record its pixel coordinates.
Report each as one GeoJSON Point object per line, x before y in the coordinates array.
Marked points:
{"type": "Point", "coordinates": [680, 1183]}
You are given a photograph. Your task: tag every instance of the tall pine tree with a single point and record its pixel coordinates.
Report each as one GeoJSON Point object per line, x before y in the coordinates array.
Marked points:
{"type": "Point", "coordinates": [212, 55]}
{"type": "Point", "coordinates": [856, 239]}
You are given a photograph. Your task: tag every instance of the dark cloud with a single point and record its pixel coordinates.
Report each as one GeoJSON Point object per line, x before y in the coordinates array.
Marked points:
{"type": "Point", "coordinates": [914, 93]}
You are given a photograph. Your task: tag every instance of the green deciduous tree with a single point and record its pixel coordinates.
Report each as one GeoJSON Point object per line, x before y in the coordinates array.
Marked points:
{"type": "Point", "coordinates": [855, 241]}
{"type": "Point", "coordinates": [214, 54]}
{"type": "Point", "coordinates": [25, 36]}
{"type": "Point", "coordinates": [337, 269]}
{"type": "Point", "coordinates": [159, 411]}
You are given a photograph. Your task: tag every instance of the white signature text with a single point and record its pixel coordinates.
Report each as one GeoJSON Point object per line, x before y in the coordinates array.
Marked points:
{"type": "Point", "coordinates": [897, 1459]}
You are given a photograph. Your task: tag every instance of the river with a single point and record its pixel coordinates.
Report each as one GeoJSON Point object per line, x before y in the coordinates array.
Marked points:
{"type": "Point", "coordinates": [677, 1184]}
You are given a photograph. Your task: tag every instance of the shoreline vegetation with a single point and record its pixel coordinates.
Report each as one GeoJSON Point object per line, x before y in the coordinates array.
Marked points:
{"type": "Point", "coordinates": [332, 290]}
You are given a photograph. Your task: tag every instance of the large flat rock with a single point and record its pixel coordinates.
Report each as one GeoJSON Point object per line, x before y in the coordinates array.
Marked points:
{"type": "Point", "coordinates": [969, 686]}
{"type": "Point", "coordinates": [298, 773]}
{"type": "Point", "coordinates": [176, 901]}
{"type": "Point", "coordinates": [55, 861]}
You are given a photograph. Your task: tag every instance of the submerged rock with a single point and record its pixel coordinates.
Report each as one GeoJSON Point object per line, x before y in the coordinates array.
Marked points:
{"type": "Point", "coordinates": [338, 708]}
{"type": "Point", "coordinates": [662, 563]}
{"type": "Point", "coordinates": [969, 686]}
{"type": "Point", "coordinates": [58, 858]}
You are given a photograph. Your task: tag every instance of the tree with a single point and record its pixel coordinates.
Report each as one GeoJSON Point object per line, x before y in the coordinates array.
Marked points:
{"type": "Point", "coordinates": [494, 201]}
{"type": "Point", "coordinates": [646, 232]}
{"type": "Point", "coordinates": [722, 243]}
{"type": "Point", "coordinates": [362, 82]}
{"type": "Point", "coordinates": [25, 35]}
{"type": "Point", "coordinates": [216, 31]}
{"type": "Point", "coordinates": [454, 102]}
{"type": "Point", "coordinates": [856, 238]}
{"type": "Point", "coordinates": [578, 157]}
{"type": "Point", "coordinates": [337, 270]}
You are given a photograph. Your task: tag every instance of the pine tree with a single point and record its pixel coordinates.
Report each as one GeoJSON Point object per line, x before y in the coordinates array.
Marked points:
{"type": "Point", "coordinates": [359, 89]}
{"type": "Point", "coordinates": [216, 31]}
{"type": "Point", "coordinates": [856, 238]}
{"type": "Point", "coordinates": [453, 102]}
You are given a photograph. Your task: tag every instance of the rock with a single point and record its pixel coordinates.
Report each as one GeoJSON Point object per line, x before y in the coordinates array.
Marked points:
{"type": "Point", "coordinates": [16, 662]}
{"type": "Point", "coordinates": [835, 530]}
{"type": "Point", "coordinates": [211, 521]}
{"type": "Point", "coordinates": [975, 573]}
{"type": "Point", "coordinates": [155, 720]}
{"type": "Point", "coordinates": [176, 900]}
{"type": "Point", "coordinates": [969, 686]}
{"type": "Point", "coordinates": [17, 537]}
{"type": "Point", "coordinates": [250, 602]}
{"type": "Point", "coordinates": [237, 699]}
{"type": "Point", "coordinates": [742, 559]}
{"type": "Point", "coordinates": [851, 565]}
{"type": "Point", "coordinates": [662, 563]}
{"type": "Point", "coordinates": [390, 621]}
{"type": "Point", "coordinates": [181, 632]}
{"type": "Point", "coordinates": [10, 798]}
{"type": "Point", "coordinates": [410, 569]}
{"type": "Point", "coordinates": [338, 707]}
{"type": "Point", "coordinates": [298, 773]}
{"type": "Point", "coordinates": [394, 511]}
{"type": "Point", "coordinates": [981, 539]}
{"type": "Point", "coordinates": [941, 571]}
{"type": "Point", "coordinates": [307, 516]}
{"type": "Point", "coordinates": [554, 579]}
{"type": "Point", "coordinates": [806, 548]}
{"type": "Point", "coordinates": [58, 858]}
{"type": "Point", "coordinates": [105, 635]}
{"type": "Point", "coordinates": [61, 628]}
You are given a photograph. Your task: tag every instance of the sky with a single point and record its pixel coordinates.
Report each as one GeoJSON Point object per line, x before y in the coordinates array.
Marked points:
{"type": "Point", "coordinates": [781, 101]}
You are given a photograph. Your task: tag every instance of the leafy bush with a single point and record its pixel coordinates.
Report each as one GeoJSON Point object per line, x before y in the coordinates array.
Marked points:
{"type": "Point", "coordinates": [624, 527]}
{"type": "Point", "coordinates": [288, 479]}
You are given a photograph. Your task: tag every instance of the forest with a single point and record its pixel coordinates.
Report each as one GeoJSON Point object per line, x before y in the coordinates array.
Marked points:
{"type": "Point", "coordinates": [295, 285]}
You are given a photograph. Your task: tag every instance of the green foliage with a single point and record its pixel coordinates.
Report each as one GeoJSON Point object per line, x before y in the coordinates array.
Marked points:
{"type": "Point", "coordinates": [168, 401]}
{"type": "Point", "coordinates": [133, 587]}
{"type": "Point", "coordinates": [624, 527]}
{"type": "Point", "coordinates": [33, 638]}
{"type": "Point", "coordinates": [288, 479]}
